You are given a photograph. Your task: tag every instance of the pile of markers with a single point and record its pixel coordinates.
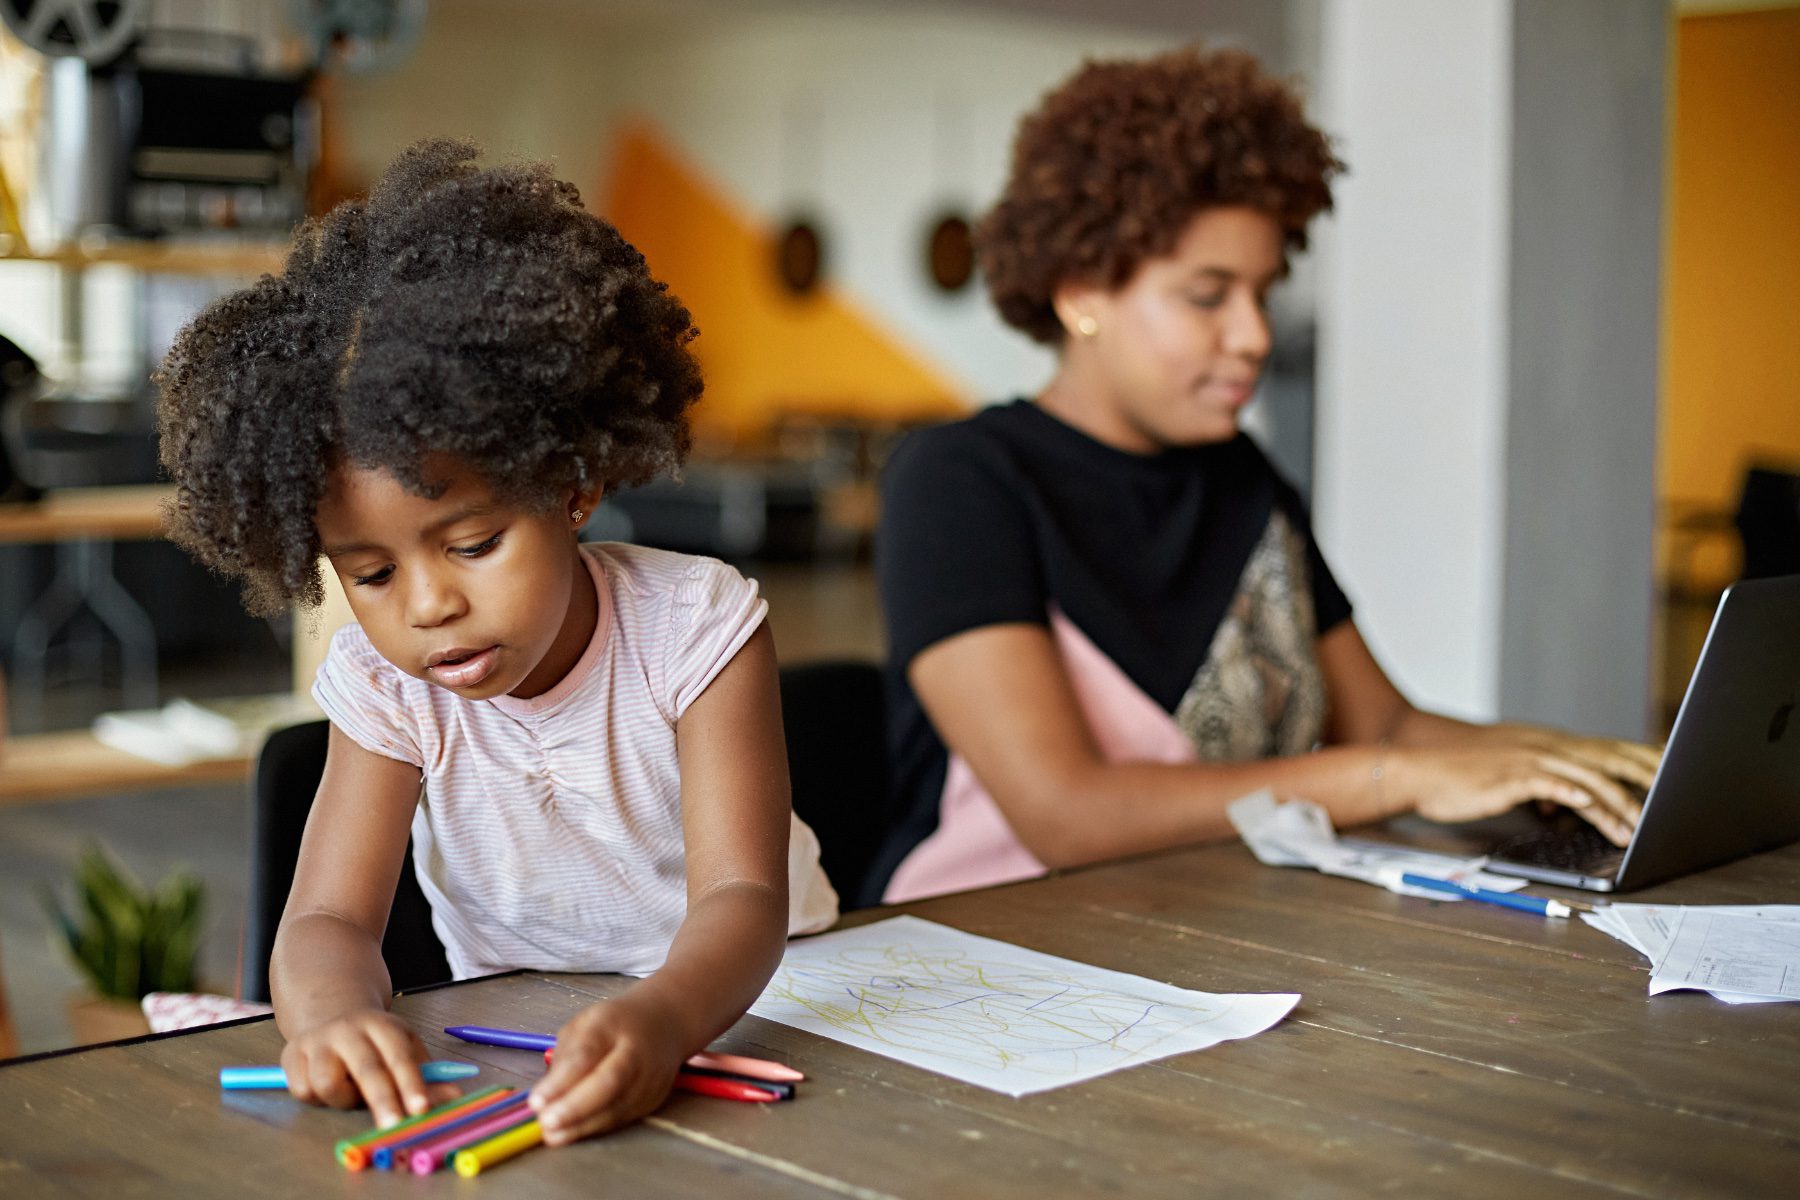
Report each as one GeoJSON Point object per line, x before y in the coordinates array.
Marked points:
{"type": "Point", "coordinates": [474, 1132]}
{"type": "Point", "coordinates": [469, 1134]}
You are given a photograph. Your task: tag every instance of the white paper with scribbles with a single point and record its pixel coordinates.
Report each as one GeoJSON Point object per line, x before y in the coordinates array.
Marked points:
{"type": "Point", "coordinates": [992, 1013]}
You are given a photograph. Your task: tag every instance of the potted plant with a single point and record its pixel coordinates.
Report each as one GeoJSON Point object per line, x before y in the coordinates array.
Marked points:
{"type": "Point", "coordinates": [127, 941]}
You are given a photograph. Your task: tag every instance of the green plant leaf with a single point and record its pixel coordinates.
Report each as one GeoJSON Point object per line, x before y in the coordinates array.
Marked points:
{"type": "Point", "coordinates": [127, 939]}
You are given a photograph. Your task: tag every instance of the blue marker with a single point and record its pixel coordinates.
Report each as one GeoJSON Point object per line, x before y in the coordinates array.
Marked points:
{"type": "Point", "coordinates": [1532, 904]}
{"type": "Point", "coordinates": [241, 1078]}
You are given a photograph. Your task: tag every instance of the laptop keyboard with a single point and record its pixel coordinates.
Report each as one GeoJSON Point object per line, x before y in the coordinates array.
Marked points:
{"type": "Point", "coordinates": [1582, 849]}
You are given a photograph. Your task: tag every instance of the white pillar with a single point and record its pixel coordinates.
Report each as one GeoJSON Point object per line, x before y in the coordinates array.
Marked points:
{"type": "Point", "coordinates": [1487, 348]}
{"type": "Point", "coordinates": [1410, 488]}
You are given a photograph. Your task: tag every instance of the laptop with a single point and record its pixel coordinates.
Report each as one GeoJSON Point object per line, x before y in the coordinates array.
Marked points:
{"type": "Point", "coordinates": [1728, 785]}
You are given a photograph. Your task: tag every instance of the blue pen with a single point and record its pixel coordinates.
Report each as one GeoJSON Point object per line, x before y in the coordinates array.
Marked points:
{"type": "Point", "coordinates": [240, 1078]}
{"type": "Point", "coordinates": [516, 1039]}
{"type": "Point", "coordinates": [1532, 904]}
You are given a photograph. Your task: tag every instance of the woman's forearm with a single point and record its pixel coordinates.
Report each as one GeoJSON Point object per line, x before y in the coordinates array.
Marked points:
{"type": "Point", "coordinates": [1104, 810]}
{"type": "Point", "coordinates": [323, 967]}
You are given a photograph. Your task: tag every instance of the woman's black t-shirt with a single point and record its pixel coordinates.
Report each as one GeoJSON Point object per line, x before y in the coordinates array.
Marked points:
{"type": "Point", "coordinates": [1010, 513]}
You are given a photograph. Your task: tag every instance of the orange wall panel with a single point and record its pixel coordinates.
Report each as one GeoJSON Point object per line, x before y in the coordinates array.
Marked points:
{"type": "Point", "coordinates": [764, 351]}
{"type": "Point", "coordinates": [1732, 356]}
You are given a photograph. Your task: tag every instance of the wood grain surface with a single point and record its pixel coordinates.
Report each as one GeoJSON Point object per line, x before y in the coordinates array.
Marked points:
{"type": "Point", "coordinates": [1440, 1049]}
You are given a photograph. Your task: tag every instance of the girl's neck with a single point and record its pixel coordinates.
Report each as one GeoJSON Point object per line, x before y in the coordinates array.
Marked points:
{"type": "Point", "coordinates": [579, 620]}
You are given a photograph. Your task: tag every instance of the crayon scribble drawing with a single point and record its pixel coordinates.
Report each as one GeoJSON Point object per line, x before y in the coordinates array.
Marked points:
{"type": "Point", "coordinates": [992, 1013]}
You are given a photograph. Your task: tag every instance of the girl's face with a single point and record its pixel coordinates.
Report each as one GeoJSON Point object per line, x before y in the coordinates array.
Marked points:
{"type": "Point", "coordinates": [461, 591]}
{"type": "Point", "coordinates": [1176, 351]}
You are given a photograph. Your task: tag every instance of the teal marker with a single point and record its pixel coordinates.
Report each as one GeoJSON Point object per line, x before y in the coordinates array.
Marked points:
{"type": "Point", "coordinates": [241, 1078]}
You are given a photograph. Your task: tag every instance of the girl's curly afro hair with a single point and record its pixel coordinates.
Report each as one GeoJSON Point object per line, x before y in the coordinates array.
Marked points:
{"type": "Point", "coordinates": [475, 312]}
{"type": "Point", "coordinates": [1112, 165]}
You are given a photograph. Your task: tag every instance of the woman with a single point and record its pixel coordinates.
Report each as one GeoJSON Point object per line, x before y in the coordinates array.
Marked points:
{"type": "Point", "coordinates": [1107, 615]}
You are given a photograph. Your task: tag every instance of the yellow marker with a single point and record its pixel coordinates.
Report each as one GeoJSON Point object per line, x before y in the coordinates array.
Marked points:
{"type": "Point", "coordinates": [472, 1161]}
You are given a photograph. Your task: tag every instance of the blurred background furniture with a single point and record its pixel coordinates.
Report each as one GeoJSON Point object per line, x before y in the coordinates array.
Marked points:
{"type": "Point", "coordinates": [1768, 521]}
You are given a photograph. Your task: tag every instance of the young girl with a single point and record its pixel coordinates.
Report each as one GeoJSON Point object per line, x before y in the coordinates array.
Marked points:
{"type": "Point", "coordinates": [433, 396]}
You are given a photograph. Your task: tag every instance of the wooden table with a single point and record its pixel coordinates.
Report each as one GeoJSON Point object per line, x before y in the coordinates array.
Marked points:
{"type": "Point", "coordinates": [1441, 1049]}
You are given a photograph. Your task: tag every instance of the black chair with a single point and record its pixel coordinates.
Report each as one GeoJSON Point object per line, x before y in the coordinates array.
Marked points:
{"type": "Point", "coordinates": [837, 759]}
{"type": "Point", "coordinates": [1768, 521]}
{"type": "Point", "coordinates": [834, 715]}
{"type": "Point", "coordinates": [287, 779]}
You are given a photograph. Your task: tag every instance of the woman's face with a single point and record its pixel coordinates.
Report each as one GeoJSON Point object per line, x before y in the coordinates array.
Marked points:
{"type": "Point", "coordinates": [1176, 351]}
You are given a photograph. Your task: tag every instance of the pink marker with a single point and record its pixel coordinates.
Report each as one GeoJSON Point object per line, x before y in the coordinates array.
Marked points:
{"type": "Point", "coordinates": [428, 1156]}
{"type": "Point", "coordinates": [755, 1068]}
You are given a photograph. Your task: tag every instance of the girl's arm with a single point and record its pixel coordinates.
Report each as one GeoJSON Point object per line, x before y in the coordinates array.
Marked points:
{"type": "Point", "coordinates": [326, 974]}
{"type": "Point", "coordinates": [616, 1060]}
{"type": "Point", "coordinates": [999, 697]}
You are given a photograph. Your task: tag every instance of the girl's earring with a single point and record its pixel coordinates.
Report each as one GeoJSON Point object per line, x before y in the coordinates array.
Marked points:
{"type": "Point", "coordinates": [576, 516]}
{"type": "Point", "coordinates": [1086, 326]}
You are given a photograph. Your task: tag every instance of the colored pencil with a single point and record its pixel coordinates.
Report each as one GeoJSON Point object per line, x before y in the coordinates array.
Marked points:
{"type": "Point", "coordinates": [783, 1091]}
{"type": "Point", "coordinates": [244, 1078]}
{"type": "Point", "coordinates": [742, 1064]}
{"type": "Point", "coordinates": [356, 1152]}
{"type": "Point", "coordinates": [426, 1158]}
{"type": "Point", "coordinates": [724, 1089]}
{"type": "Point", "coordinates": [392, 1155]}
{"type": "Point", "coordinates": [736, 1064]}
{"type": "Point", "coordinates": [473, 1160]}
{"type": "Point", "coordinates": [516, 1039]}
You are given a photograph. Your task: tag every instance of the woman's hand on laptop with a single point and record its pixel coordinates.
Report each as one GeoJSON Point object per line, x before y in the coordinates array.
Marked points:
{"type": "Point", "coordinates": [1594, 777]}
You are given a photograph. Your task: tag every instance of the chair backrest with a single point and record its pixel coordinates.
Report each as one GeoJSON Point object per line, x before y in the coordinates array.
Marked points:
{"type": "Point", "coordinates": [287, 779]}
{"type": "Point", "coordinates": [834, 715]}
{"type": "Point", "coordinates": [1768, 520]}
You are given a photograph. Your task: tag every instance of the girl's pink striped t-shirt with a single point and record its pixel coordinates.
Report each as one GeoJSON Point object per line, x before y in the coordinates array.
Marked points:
{"type": "Point", "coordinates": [548, 834]}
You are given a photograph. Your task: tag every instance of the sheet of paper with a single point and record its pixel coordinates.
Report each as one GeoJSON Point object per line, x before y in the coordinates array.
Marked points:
{"type": "Point", "coordinates": [1299, 834]}
{"type": "Point", "coordinates": [1650, 930]}
{"type": "Point", "coordinates": [1729, 952]}
{"type": "Point", "coordinates": [994, 1014]}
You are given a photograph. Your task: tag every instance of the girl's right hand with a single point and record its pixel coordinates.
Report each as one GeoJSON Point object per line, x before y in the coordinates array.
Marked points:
{"type": "Point", "coordinates": [369, 1056]}
{"type": "Point", "coordinates": [1468, 783]}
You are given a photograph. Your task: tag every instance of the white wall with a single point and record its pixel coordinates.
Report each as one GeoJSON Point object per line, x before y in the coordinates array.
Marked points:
{"type": "Point", "coordinates": [1410, 486]}
{"type": "Point", "coordinates": [873, 118]}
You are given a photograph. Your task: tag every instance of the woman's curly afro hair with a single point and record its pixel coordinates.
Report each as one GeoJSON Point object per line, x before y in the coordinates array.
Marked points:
{"type": "Point", "coordinates": [474, 312]}
{"type": "Point", "coordinates": [1112, 165]}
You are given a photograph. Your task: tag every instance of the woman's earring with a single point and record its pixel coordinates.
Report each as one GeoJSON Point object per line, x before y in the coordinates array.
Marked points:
{"type": "Point", "coordinates": [576, 516]}
{"type": "Point", "coordinates": [1086, 326]}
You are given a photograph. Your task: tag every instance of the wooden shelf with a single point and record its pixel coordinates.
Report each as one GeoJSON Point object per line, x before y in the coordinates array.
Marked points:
{"type": "Point", "coordinates": [73, 764]}
{"type": "Point", "coordinates": [131, 513]}
{"type": "Point", "coordinates": [168, 257]}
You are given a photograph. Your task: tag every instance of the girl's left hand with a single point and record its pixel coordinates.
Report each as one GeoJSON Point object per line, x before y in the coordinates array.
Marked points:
{"type": "Point", "coordinates": [615, 1062]}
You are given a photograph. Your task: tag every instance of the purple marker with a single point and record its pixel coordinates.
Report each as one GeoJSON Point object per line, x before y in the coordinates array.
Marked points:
{"type": "Point", "coordinates": [513, 1038]}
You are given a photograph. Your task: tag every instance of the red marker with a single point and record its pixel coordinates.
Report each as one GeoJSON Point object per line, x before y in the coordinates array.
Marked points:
{"type": "Point", "coordinates": [724, 1089]}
